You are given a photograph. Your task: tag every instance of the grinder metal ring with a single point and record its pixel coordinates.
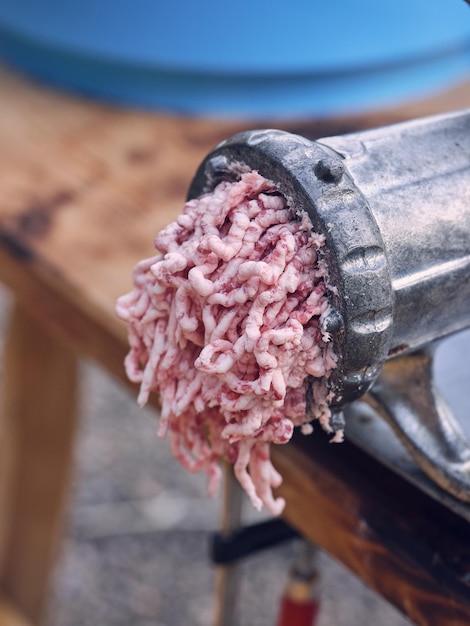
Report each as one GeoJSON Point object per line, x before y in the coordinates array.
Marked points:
{"type": "Point", "coordinates": [312, 178]}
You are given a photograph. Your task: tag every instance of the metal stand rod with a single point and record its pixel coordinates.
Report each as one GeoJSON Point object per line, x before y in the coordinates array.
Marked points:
{"type": "Point", "coordinates": [228, 576]}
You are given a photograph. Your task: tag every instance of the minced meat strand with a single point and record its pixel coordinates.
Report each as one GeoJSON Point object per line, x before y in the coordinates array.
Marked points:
{"type": "Point", "coordinates": [225, 324]}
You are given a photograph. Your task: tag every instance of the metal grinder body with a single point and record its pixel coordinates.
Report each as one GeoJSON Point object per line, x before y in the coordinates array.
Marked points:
{"type": "Point", "coordinates": [394, 206]}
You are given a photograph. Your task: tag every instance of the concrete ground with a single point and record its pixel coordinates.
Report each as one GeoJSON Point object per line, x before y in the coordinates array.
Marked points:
{"type": "Point", "coordinates": [136, 545]}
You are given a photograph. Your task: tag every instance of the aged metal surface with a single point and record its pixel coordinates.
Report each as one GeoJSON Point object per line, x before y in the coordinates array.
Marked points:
{"type": "Point", "coordinates": [416, 178]}
{"type": "Point", "coordinates": [451, 374]}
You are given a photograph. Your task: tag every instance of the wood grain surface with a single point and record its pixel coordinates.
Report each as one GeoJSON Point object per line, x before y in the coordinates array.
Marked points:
{"type": "Point", "coordinates": [84, 188]}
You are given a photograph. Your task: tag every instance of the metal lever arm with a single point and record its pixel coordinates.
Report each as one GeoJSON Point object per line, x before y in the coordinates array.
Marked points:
{"type": "Point", "coordinates": [406, 397]}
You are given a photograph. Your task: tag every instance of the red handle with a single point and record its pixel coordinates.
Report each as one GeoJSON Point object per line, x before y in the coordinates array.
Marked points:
{"type": "Point", "coordinates": [297, 613]}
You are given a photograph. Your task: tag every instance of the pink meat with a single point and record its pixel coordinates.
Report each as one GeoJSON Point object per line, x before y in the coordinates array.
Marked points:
{"type": "Point", "coordinates": [225, 324]}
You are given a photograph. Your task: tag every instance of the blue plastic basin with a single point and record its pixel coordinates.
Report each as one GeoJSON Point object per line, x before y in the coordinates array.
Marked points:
{"type": "Point", "coordinates": [249, 58]}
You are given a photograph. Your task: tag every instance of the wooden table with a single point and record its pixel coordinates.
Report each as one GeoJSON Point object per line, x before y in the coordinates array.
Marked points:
{"type": "Point", "coordinates": [83, 190]}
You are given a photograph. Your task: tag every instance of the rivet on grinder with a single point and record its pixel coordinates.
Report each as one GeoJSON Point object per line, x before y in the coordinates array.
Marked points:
{"type": "Point", "coordinates": [219, 164]}
{"type": "Point", "coordinates": [329, 170]}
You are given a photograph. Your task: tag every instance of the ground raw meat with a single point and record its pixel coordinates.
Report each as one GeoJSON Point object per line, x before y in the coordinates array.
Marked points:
{"type": "Point", "coordinates": [225, 324]}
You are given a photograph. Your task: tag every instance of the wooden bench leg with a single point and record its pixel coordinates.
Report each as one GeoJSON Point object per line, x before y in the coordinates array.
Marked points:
{"type": "Point", "coordinates": [37, 428]}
